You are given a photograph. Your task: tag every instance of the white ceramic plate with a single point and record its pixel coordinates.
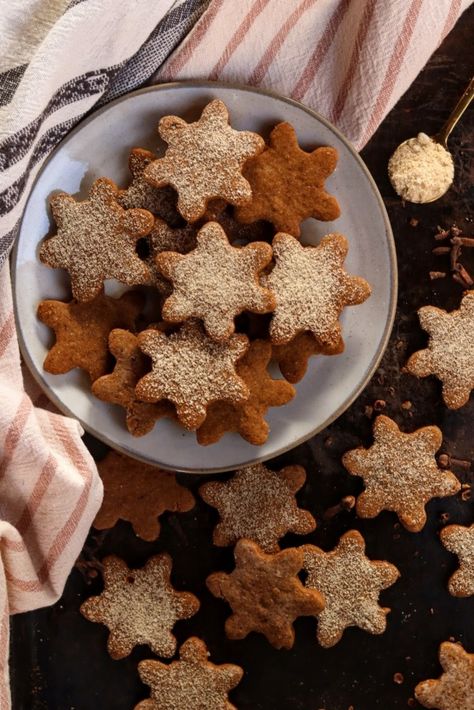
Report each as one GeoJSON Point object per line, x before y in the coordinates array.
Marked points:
{"type": "Point", "coordinates": [99, 146]}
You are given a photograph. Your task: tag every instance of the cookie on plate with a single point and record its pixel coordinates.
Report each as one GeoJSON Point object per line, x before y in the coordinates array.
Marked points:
{"type": "Point", "coordinates": [293, 357]}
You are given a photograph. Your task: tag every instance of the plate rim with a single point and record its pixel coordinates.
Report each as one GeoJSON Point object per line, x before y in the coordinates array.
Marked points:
{"type": "Point", "coordinates": [373, 365]}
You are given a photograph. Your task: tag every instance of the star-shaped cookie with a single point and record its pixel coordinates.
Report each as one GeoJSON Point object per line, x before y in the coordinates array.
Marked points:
{"type": "Point", "coordinates": [460, 541]}
{"type": "Point", "coordinates": [265, 593]}
{"type": "Point", "coordinates": [192, 371]}
{"type": "Point", "coordinates": [400, 473]}
{"type": "Point", "coordinates": [160, 201]}
{"type": "Point", "coordinates": [192, 683]}
{"type": "Point", "coordinates": [163, 238]}
{"type": "Point", "coordinates": [139, 606]}
{"type": "Point", "coordinates": [311, 289]}
{"type": "Point", "coordinates": [454, 690]}
{"type": "Point", "coordinates": [450, 351]}
{"type": "Point", "coordinates": [138, 493]}
{"type": "Point", "coordinates": [82, 331]}
{"type": "Point", "coordinates": [288, 183]}
{"type": "Point", "coordinates": [204, 160]}
{"type": "Point", "coordinates": [119, 387]}
{"type": "Point", "coordinates": [96, 240]}
{"type": "Point", "coordinates": [292, 358]}
{"type": "Point", "coordinates": [258, 504]}
{"type": "Point", "coordinates": [350, 583]}
{"type": "Point", "coordinates": [247, 418]}
{"type": "Point", "coordinates": [216, 281]}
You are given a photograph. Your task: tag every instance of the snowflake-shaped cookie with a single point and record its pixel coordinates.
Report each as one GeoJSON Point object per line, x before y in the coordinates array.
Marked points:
{"type": "Point", "coordinates": [265, 593]}
{"type": "Point", "coordinates": [192, 683]}
{"type": "Point", "coordinates": [192, 371]}
{"type": "Point", "coordinates": [216, 281]}
{"type": "Point", "coordinates": [400, 473]}
{"type": "Point", "coordinates": [96, 240]}
{"type": "Point", "coordinates": [450, 351]}
{"type": "Point", "coordinates": [139, 606]}
{"type": "Point", "coordinates": [138, 493]}
{"type": "Point", "coordinates": [460, 541]}
{"type": "Point", "coordinates": [350, 584]}
{"type": "Point", "coordinates": [260, 505]}
{"type": "Point", "coordinates": [311, 289]}
{"type": "Point", "coordinates": [454, 690]}
{"type": "Point", "coordinates": [160, 201]}
{"type": "Point", "coordinates": [204, 160]}
{"type": "Point", "coordinates": [288, 183]}
{"type": "Point", "coordinates": [163, 238]}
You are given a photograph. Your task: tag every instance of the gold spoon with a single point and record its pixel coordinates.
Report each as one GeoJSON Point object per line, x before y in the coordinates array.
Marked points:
{"type": "Point", "coordinates": [407, 166]}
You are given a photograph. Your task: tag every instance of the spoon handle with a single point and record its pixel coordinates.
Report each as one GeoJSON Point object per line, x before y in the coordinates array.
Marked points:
{"type": "Point", "coordinates": [456, 113]}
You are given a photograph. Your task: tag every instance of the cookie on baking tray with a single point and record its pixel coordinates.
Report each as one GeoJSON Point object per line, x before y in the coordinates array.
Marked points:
{"type": "Point", "coordinates": [288, 183]}
{"type": "Point", "coordinates": [247, 418]}
{"type": "Point", "coordinates": [96, 240]}
{"type": "Point", "coordinates": [311, 289]}
{"type": "Point", "coordinates": [216, 281]}
{"type": "Point", "coordinates": [265, 593]}
{"type": "Point", "coordinates": [400, 472]}
{"type": "Point", "coordinates": [192, 683]}
{"type": "Point", "coordinates": [454, 689]}
{"type": "Point", "coordinates": [351, 584]}
{"type": "Point", "coordinates": [459, 540]}
{"type": "Point", "coordinates": [138, 493]}
{"type": "Point", "coordinates": [82, 331]}
{"type": "Point", "coordinates": [450, 351]}
{"type": "Point", "coordinates": [258, 504]}
{"type": "Point", "coordinates": [204, 160]}
{"type": "Point", "coordinates": [139, 606]}
{"type": "Point", "coordinates": [192, 371]}
{"type": "Point", "coordinates": [118, 387]}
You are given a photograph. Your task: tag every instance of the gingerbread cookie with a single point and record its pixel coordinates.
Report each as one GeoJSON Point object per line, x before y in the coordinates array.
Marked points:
{"type": "Point", "coordinates": [460, 541]}
{"type": "Point", "coordinates": [192, 371]}
{"type": "Point", "coordinates": [138, 493]}
{"type": "Point", "coordinates": [216, 281]}
{"type": "Point", "coordinates": [450, 351]}
{"type": "Point", "coordinates": [119, 387]}
{"type": "Point", "coordinates": [96, 240]}
{"type": "Point", "coordinates": [265, 594]}
{"type": "Point", "coordinates": [293, 357]}
{"type": "Point", "coordinates": [237, 233]}
{"type": "Point", "coordinates": [163, 238]}
{"type": "Point", "coordinates": [454, 690]}
{"type": "Point", "coordinates": [260, 505]}
{"type": "Point", "coordinates": [288, 183]}
{"type": "Point", "coordinates": [192, 683]}
{"type": "Point", "coordinates": [139, 606]}
{"type": "Point", "coordinates": [82, 331]}
{"type": "Point", "coordinates": [160, 201]}
{"type": "Point", "coordinates": [400, 473]}
{"type": "Point", "coordinates": [350, 583]}
{"type": "Point", "coordinates": [312, 288]}
{"type": "Point", "coordinates": [204, 160]}
{"type": "Point", "coordinates": [247, 418]}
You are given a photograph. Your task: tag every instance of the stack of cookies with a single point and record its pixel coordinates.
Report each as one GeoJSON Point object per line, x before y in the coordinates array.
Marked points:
{"type": "Point", "coordinates": [207, 237]}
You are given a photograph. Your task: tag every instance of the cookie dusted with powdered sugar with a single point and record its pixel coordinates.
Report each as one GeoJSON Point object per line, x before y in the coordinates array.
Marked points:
{"type": "Point", "coordinates": [454, 689]}
{"type": "Point", "coordinates": [311, 289]}
{"type": "Point", "coordinates": [258, 504]}
{"type": "Point", "coordinates": [459, 540]}
{"type": "Point", "coordinates": [215, 282]}
{"type": "Point", "coordinates": [351, 584]}
{"type": "Point", "coordinates": [192, 371]}
{"type": "Point", "coordinates": [192, 683]}
{"type": "Point", "coordinates": [139, 606]}
{"type": "Point", "coordinates": [450, 352]}
{"type": "Point", "coordinates": [96, 240]}
{"type": "Point", "coordinates": [204, 160]}
{"type": "Point", "coordinates": [400, 473]}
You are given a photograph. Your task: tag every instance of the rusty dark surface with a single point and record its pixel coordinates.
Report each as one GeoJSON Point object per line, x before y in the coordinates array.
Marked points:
{"type": "Point", "coordinates": [59, 660]}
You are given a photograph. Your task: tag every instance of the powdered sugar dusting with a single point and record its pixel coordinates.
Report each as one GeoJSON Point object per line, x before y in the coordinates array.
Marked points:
{"type": "Point", "coordinates": [454, 690]}
{"type": "Point", "coordinates": [311, 288]}
{"type": "Point", "coordinates": [192, 371]}
{"type": "Point", "coordinates": [204, 160]}
{"type": "Point", "coordinates": [460, 540]}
